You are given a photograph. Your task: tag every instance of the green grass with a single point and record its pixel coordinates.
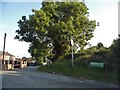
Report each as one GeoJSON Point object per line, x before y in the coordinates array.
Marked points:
{"type": "Point", "coordinates": [65, 68]}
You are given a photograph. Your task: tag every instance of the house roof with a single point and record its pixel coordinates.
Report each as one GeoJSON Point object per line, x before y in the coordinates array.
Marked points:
{"type": "Point", "coordinates": [20, 59]}
{"type": "Point", "coordinates": [6, 53]}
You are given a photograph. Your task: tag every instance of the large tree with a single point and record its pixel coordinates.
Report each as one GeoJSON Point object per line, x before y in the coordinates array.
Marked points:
{"type": "Point", "coordinates": [53, 26]}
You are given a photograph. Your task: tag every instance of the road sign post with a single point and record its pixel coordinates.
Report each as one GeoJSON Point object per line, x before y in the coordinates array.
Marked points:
{"type": "Point", "coordinates": [72, 43]}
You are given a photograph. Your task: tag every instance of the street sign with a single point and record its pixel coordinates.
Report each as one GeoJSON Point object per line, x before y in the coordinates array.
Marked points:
{"type": "Point", "coordinates": [72, 42]}
{"type": "Point", "coordinates": [97, 64]}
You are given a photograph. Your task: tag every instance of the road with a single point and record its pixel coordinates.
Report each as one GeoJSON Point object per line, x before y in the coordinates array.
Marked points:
{"type": "Point", "coordinates": [0, 79]}
{"type": "Point", "coordinates": [31, 78]}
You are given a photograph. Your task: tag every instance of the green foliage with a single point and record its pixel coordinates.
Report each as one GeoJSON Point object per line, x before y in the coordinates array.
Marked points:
{"type": "Point", "coordinates": [93, 54]}
{"type": "Point", "coordinates": [97, 53]}
{"type": "Point", "coordinates": [52, 26]}
{"type": "Point", "coordinates": [113, 57]}
{"type": "Point", "coordinates": [40, 60]}
{"type": "Point", "coordinates": [100, 45]}
{"type": "Point", "coordinates": [64, 67]}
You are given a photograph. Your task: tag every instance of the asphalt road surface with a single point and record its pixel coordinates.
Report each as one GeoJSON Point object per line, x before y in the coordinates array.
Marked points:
{"type": "Point", "coordinates": [31, 78]}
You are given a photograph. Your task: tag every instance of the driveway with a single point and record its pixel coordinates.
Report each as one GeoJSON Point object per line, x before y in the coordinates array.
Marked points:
{"type": "Point", "coordinates": [31, 78]}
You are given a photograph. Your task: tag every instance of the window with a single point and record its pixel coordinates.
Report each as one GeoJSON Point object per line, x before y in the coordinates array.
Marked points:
{"type": "Point", "coordinates": [6, 61]}
{"type": "Point", "coordinates": [10, 61]}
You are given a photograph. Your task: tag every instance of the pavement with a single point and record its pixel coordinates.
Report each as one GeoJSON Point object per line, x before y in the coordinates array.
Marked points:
{"type": "Point", "coordinates": [31, 78]}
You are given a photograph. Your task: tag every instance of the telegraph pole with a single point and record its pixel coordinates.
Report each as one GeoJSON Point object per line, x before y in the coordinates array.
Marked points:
{"type": "Point", "coordinates": [4, 47]}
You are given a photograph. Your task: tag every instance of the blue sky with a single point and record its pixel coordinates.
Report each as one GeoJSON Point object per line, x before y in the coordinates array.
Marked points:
{"type": "Point", "coordinates": [11, 13]}
{"type": "Point", "coordinates": [103, 11]}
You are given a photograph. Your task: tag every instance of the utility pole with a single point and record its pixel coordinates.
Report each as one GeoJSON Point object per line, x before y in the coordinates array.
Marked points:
{"type": "Point", "coordinates": [4, 47]}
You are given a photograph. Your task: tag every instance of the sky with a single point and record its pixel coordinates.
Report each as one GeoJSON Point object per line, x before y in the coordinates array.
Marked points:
{"type": "Point", "coordinates": [104, 11]}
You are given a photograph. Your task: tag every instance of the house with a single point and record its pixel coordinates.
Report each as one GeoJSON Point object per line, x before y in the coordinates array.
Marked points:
{"type": "Point", "coordinates": [20, 63]}
{"type": "Point", "coordinates": [31, 62]}
{"type": "Point", "coordinates": [8, 62]}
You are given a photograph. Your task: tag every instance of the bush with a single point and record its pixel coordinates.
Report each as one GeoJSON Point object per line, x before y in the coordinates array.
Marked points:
{"type": "Point", "coordinates": [113, 57]}
{"type": "Point", "coordinates": [40, 60]}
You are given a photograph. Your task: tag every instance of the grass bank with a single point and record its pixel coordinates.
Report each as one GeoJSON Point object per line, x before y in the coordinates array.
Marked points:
{"type": "Point", "coordinates": [84, 72]}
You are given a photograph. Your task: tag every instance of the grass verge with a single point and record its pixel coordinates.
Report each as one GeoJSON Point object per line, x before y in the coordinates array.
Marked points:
{"type": "Point", "coordinates": [65, 68]}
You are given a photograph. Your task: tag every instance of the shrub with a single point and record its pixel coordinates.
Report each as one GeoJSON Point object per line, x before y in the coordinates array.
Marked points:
{"type": "Point", "coordinates": [40, 60]}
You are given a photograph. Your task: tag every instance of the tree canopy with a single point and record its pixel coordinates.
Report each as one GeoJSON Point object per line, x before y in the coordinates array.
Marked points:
{"type": "Point", "coordinates": [50, 29]}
